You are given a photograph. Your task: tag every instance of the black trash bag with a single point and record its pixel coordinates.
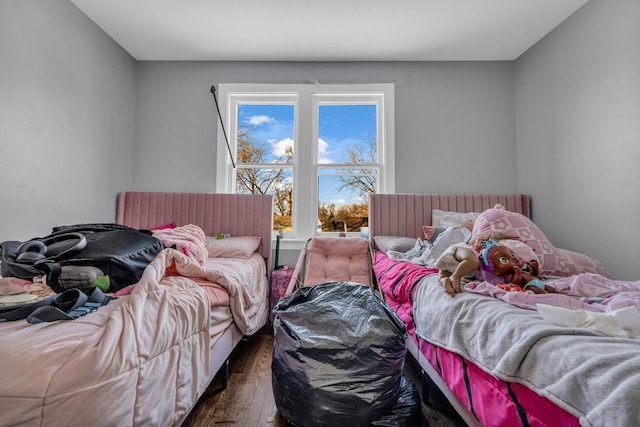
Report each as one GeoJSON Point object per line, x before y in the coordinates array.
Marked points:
{"type": "Point", "coordinates": [338, 356]}
{"type": "Point", "coordinates": [407, 412]}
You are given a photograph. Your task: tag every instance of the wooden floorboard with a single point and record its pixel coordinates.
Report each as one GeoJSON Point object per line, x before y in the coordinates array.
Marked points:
{"type": "Point", "coordinates": [248, 399]}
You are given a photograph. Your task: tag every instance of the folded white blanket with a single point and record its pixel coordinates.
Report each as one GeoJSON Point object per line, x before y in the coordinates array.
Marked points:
{"type": "Point", "coordinates": [624, 322]}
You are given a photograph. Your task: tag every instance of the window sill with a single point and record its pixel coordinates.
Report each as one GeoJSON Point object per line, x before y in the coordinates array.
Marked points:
{"type": "Point", "coordinates": [298, 244]}
{"type": "Point", "coordinates": [289, 244]}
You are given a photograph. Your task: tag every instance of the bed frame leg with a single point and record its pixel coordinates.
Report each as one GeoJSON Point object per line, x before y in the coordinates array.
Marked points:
{"type": "Point", "coordinates": [224, 375]}
{"type": "Point", "coordinates": [434, 397]}
{"type": "Point", "coordinates": [426, 388]}
{"type": "Point", "coordinates": [224, 380]}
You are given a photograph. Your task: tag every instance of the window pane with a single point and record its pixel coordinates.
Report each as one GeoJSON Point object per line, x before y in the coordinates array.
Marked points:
{"type": "Point", "coordinates": [277, 182]}
{"type": "Point", "coordinates": [347, 134]}
{"type": "Point", "coordinates": [265, 133]}
{"type": "Point", "coordinates": [342, 197]}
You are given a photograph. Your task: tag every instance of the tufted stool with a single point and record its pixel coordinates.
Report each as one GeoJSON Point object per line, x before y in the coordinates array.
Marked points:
{"type": "Point", "coordinates": [335, 259]}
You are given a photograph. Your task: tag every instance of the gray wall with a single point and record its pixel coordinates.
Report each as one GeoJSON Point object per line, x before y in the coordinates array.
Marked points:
{"type": "Point", "coordinates": [77, 113]}
{"type": "Point", "coordinates": [451, 117]}
{"type": "Point", "coordinates": [67, 99]}
{"type": "Point", "coordinates": [578, 133]}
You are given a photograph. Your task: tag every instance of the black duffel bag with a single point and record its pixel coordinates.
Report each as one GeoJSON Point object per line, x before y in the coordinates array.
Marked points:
{"type": "Point", "coordinates": [117, 252]}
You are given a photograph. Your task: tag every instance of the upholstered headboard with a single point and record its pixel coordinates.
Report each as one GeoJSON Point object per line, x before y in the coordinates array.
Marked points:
{"type": "Point", "coordinates": [405, 214]}
{"type": "Point", "coordinates": [215, 213]}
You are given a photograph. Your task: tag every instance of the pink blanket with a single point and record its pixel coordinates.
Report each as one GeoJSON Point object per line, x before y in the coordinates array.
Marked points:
{"type": "Point", "coordinates": [188, 239]}
{"type": "Point", "coordinates": [247, 300]}
{"type": "Point", "coordinates": [588, 291]}
{"type": "Point", "coordinates": [187, 256]}
{"type": "Point", "coordinates": [398, 280]}
{"type": "Point", "coordinates": [143, 359]}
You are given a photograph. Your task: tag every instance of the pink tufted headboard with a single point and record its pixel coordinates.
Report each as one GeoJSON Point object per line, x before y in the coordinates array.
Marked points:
{"type": "Point", "coordinates": [236, 214]}
{"type": "Point", "coordinates": [405, 214]}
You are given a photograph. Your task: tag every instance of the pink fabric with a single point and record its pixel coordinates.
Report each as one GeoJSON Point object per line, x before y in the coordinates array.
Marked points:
{"type": "Point", "coordinates": [248, 299]}
{"type": "Point", "coordinates": [233, 276]}
{"type": "Point", "coordinates": [143, 359]}
{"type": "Point", "coordinates": [164, 226]}
{"type": "Point", "coordinates": [188, 239]}
{"type": "Point", "coordinates": [338, 259]}
{"type": "Point", "coordinates": [574, 293]}
{"type": "Point", "coordinates": [492, 402]}
{"type": "Point", "coordinates": [14, 285]}
{"type": "Point", "coordinates": [398, 281]}
{"type": "Point", "coordinates": [217, 295]}
{"type": "Point", "coordinates": [215, 213]}
{"type": "Point", "coordinates": [109, 367]}
{"type": "Point", "coordinates": [405, 214]}
{"type": "Point", "coordinates": [553, 261]}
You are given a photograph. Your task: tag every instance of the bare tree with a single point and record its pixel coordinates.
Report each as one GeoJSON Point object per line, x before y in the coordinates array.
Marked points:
{"type": "Point", "coordinates": [261, 179]}
{"type": "Point", "coordinates": [359, 180]}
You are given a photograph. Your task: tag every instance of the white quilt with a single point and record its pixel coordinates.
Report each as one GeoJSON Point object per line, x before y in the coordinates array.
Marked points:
{"type": "Point", "coordinates": [143, 359]}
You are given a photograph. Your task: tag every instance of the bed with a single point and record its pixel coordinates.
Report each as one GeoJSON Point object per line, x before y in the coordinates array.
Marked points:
{"type": "Point", "coordinates": [147, 356]}
{"type": "Point", "coordinates": [498, 356]}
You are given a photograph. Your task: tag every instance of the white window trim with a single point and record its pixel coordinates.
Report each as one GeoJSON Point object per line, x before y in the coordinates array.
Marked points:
{"type": "Point", "coordinates": [306, 98]}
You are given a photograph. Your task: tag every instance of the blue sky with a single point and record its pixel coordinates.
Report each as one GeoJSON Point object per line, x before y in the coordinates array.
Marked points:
{"type": "Point", "coordinates": [340, 127]}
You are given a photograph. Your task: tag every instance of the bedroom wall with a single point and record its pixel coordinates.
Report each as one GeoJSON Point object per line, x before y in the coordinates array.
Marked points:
{"type": "Point", "coordinates": [455, 122]}
{"type": "Point", "coordinates": [72, 103]}
{"type": "Point", "coordinates": [578, 133]}
{"type": "Point", "coordinates": [67, 99]}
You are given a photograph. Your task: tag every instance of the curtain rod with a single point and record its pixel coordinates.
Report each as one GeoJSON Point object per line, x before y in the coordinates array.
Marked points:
{"type": "Point", "coordinates": [213, 92]}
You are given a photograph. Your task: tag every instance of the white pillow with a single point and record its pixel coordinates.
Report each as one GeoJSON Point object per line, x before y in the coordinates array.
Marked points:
{"type": "Point", "coordinates": [448, 219]}
{"type": "Point", "coordinates": [394, 243]}
{"type": "Point", "coordinates": [232, 247]}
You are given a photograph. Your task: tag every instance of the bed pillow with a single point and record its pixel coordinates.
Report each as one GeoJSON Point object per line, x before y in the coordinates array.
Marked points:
{"type": "Point", "coordinates": [448, 219]}
{"type": "Point", "coordinates": [232, 247]}
{"type": "Point", "coordinates": [553, 261]}
{"type": "Point", "coordinates": [394, 243]}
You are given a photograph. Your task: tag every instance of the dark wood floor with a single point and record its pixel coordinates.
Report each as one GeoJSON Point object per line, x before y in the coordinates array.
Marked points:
{"type": "Point", "coordinates": [248, 399]}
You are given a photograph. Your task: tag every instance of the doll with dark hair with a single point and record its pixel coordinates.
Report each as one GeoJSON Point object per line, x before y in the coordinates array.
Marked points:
{"type": "Point", "coordinates": [489, 261]}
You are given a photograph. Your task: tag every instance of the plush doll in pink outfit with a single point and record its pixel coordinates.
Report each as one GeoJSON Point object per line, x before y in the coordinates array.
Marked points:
{"type": "Point", "coordinates": [501, 265]}
{"type": "Point", "coordinates": [487, 260]}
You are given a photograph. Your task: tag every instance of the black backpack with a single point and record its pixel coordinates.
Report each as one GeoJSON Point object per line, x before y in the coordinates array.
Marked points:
{"type": "Point", "coordinates": [119, 252]}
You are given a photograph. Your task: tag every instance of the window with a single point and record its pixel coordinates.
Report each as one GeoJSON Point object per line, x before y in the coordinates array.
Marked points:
{"type": "Point", "coordinates": [318, 149]}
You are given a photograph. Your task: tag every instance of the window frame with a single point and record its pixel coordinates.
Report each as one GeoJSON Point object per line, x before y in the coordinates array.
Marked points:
{"type": "Point", "coordinates": [306, 99]}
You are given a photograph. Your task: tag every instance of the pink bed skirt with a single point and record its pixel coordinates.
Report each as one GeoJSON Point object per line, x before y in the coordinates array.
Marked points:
{"type": "Point", "coordinates": [493, 401]}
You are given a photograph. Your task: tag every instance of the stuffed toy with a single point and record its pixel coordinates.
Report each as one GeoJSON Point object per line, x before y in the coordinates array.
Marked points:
{"type": "Point", "coordinates": [500, 265]}
{"type": "Point", "coordinates": [486, 259]}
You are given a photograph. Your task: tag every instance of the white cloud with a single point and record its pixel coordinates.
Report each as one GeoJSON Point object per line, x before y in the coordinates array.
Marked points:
{"type": "Point", "coordinates": [323, 148]}
{"type": "Point", "coordinates": [338, 201]}
{"type": "Point", "coordinates": [259, 120]}
{"type": "Point", "coordinates": [278, 148]}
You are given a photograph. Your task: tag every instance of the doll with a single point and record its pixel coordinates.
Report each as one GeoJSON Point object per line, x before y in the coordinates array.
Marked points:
{"type": "Point", "coordinates": [487, 260]}
{"type": "Point", "coordinates": [460, 261]}
{"type": "Point", "coordinates": [501, 265]}
{"type": "Point", "coordinates": [457, 262]}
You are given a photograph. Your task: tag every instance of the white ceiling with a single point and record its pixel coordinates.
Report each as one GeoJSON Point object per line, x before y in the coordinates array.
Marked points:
{"type": "Point", "coordinates": [327, 30]}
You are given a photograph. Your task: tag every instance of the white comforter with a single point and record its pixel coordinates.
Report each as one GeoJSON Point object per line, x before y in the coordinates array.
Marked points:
{"type": "Point", "coordinates": [591, 375]}
{"type": "Point", "coordinates": [143, 359]}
